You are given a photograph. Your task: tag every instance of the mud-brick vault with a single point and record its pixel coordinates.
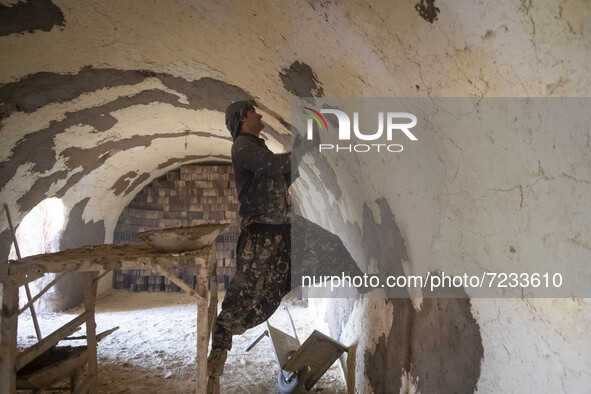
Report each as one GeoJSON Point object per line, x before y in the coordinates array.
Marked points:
{"type": "Point", "coordinates": [97, 99]}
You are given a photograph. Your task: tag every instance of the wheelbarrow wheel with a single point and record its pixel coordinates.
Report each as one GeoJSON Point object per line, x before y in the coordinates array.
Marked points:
{"type": "Point", "coordinates": [296, 385]}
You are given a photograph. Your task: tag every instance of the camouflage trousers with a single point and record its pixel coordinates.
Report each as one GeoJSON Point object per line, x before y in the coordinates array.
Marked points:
{"type": "Point", "coordinates": [264, 271]}
{"type": "Point", "coordinates": [262, 279]}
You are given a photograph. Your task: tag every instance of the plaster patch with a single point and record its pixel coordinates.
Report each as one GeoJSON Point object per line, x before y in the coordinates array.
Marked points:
{"type": "Point", "coordinates": [385, 365]}
{"type": "Point", "coordinates": [78, 135]}
{"type": "Point", "coordinates": [75, 157]}
{"type": "Point", "coordinates": [79, 232]}
{"type": "Point", "coordinates": [37, 90]}
{"type": "Point", "coordinates": [300, 80]}
{"type": "Point", "coordinates": [42, 142]}
{"type": "Point", "coordinates": [123, 182]}
{"type": "Point", "coordinates": [19, 184]}
{"type": "Point", "coordinates": [55, 187]}
{"type": "Point", "coordinates": [337, 315]}
{"type": "Point", "coordinates": [71, 181]}
{"type": "Point", "coordinates": [204, 93]}
{"type": "Point", "coordinates": [28, 16]}
{"type": "Point", "coordinates": [70, 290]}
{"type": "Point", "coordinates": [408, 387]}
{"type": "Point", "coordinates": [7, 109]}
{"type": "Point", "coordinates": [375, 211]}
{"type": "Point", "coordinates": [137, 182]}
{"type": "Point", "coordinates": [416, 303]}
{"type": "Point", "coordinates": [304, 200]}
{"type": "Point", "coordinates": [384, 242]}
{"type": "Point", "coordinates": [93, 158]}
{"type": "Point", "coordinates": [21, 123]}
{"type": "Point", "coordinates": [427, 10]}
{"type": "Point", "coordinates": [38, 191]}
{"type": "Point", "coordinates": [446, 347]}
{"type": "Point", "coordinates": [440, 346]}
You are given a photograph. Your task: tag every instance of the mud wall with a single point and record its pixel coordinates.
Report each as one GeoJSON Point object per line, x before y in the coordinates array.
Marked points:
{"type": "Point", "coordinates": [100, 98]}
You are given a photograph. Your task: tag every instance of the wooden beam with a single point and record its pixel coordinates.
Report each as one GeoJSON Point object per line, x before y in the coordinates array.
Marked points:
{"type": "Point", "coordinates": [40, 294]}
{"type": "Point", "coordinates": [203, 326]}
{"type": "Point", "coordinates": [101, 276]}
{"type": "Point", "coordinates": [46, 376]}
{"type": "Point", "coordinates": [33, 313]}
{"type": "Point", "coordinates": [105, 258]}
{"type": "Point", "coordinates": [21, 278]}
{"type": "Point", "coordinates": [91, 340]}
{"type": "Point", "coordinates": [27, 290]}
{"type": "Point", "coordinates": [51, 340]}
{"type": "Point", "coordinates": [75, 378]}
{"type": "Point", "coordinates": [176, 280]}
{"type": "Point", "coordinates": [99, 337]}
{"type": "Point", "coordinates": [8, 329]}
{"type": "Point", "coordinates": [84, 387]}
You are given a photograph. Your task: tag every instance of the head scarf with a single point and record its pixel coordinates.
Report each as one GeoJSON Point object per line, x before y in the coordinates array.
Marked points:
{"type": "Point", "coordinates": [234, 115]}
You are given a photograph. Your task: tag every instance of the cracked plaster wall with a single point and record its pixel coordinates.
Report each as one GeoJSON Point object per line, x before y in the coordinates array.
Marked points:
{"type": "Point", "coordinates": [71, 131]}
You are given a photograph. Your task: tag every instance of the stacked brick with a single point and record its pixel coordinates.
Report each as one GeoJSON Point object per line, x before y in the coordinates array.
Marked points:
{"type": "Point", "coordinates": [192, 195]}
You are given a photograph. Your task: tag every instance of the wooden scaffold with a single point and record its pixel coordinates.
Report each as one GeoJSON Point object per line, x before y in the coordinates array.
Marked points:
{"type": "Point", "coordinates": [16, 370]}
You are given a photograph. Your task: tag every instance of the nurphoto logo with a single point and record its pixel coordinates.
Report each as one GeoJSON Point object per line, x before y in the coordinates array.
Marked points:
{"type": "Point", "coordinates": [393, 125]}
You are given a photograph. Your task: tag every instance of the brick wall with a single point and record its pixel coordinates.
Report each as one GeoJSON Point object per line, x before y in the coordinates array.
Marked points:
{"type": "Point", "coordinates": [191, 195]}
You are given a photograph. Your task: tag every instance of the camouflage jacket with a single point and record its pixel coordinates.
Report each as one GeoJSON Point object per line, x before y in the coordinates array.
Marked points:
{"type": "Point", "coordinates": [262, 181]}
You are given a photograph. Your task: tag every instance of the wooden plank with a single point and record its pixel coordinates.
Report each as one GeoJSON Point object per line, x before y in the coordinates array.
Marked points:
{"type": "Point", "coordinates": [63, 369]}
{"type": "Point", "coordinates": [177, 281]}
{"type": "Point", "coordinates": [318, 352]}
{"type": "Point", "coordinates": [101, 276]}
{"type": "Point", "coordinates": [104, 258]}
{"type": "Point", "coordinates": [51, 340]}
{"type": "Point", "coordinates": [40, 294]}
{"type": "Point", "coordinates": [283, 344]}
{"type": "Point", "coordinates": [20, 278]}
{"type": "Point", "coordinates": [27, 290]}
{"type": "Point", "coordinates": [75, 379]}
{"type": "Point", "coordinates": [99, 337]}
{"type": "Point", "coordinates": [203, 330]}
{"type": "Point", "coordinates": [33, 313]}
{"type": "Point", "coordinates": [106, 333]}
{"type": "Point", "coordinates": [91, 340]}
{"type": "Point", "coordinates": [8, 329]}
{"type": "Point", "coordinates": [84, 386]}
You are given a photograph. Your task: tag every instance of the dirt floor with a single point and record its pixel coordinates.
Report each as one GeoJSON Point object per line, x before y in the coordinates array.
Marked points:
{"type": "Point", "coordinates": [154, 349]}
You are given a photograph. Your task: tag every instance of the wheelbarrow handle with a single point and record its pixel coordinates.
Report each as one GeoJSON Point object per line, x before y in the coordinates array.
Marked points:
{"type": "Point", "coordinates": [265, 333]}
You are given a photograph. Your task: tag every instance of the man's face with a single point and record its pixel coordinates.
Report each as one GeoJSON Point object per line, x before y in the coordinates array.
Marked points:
{"type": "Point", "coordinates": [252, 122]}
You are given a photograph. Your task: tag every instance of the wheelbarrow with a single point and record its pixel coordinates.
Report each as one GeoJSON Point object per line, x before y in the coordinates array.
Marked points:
{"type": "Point", "coordinates": [300, 366]}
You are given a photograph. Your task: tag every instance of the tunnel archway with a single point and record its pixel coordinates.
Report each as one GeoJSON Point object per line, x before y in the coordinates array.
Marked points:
{"type": "Point", "coordinates": [40, 232]}
{"type": "Point", "coordinates": [189, 195]}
